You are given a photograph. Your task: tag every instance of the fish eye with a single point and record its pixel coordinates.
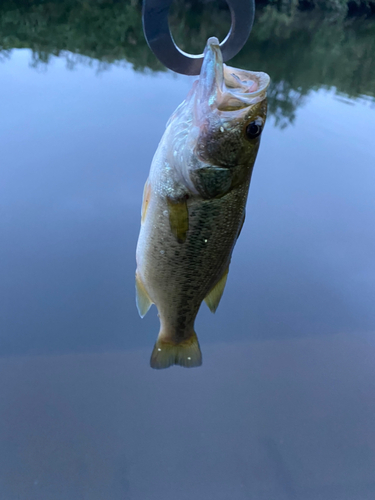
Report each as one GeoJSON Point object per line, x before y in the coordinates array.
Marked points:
{"type": "Point", "coordinates": [254, 129]}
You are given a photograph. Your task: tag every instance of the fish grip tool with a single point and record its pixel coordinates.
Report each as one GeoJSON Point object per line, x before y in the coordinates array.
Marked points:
{"type": "Point", "coordinates": [159, 38]}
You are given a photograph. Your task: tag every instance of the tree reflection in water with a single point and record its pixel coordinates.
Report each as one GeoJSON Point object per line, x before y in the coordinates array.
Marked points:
{"type": "Point", "coordinates": [301, 50]}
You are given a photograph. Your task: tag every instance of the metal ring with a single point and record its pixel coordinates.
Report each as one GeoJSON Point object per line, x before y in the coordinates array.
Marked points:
{"type": "Point", "coordinates": [160, 41]}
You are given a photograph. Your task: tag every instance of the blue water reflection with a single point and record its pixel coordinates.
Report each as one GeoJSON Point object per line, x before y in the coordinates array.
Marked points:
{"type": "Point", "coordinates": [76, 149]}
{"type": "Point", "coordinates": [283, 405]}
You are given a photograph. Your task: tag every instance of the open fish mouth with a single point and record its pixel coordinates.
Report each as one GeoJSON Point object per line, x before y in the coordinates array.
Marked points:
{"type": "Point", "coordinates": [242, 88]}
{"type": "Point", "coordinates": [227, 88]}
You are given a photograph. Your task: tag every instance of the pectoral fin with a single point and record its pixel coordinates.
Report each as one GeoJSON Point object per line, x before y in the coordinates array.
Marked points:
{"type": "Point", "coordinates": [178, 219]}
{"type": "Point", "coordinates": [146, 199]}
{"type": "Point", "coordinates": [142, 298]}
{"type": "Point", "coordinates": [213, 298]}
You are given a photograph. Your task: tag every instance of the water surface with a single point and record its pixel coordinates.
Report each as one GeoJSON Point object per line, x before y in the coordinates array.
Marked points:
{"type": "Point", "coordinates": [283, 406]}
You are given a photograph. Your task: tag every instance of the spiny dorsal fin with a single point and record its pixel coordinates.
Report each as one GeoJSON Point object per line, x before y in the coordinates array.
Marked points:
{"type": "Point", "coordinates": [142, 298]}
{"type": "Point", "coordinates": [146, 199]}
{"type": "Point", "coordinates": [178, 219]}
{"type": "Point", "coordinates": [186, 353]}
{"type": "Point", "coordinates": [213, 298]}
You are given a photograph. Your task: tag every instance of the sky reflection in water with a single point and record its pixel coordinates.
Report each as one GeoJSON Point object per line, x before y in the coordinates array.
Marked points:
{"type": "Point", "coordinates": [76, 151]}
{"type": "Point", "coordinates": [283, 405]}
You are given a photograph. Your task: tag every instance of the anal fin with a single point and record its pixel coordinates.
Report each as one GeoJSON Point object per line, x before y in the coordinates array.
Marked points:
{"type": "Point", "coordinates": [142, 298]}
{"type": "Point", "coordinates": [213, 298]}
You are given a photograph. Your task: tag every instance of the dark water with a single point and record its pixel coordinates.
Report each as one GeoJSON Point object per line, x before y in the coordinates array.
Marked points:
{"type": "Point", "coordinates": [283, 406]}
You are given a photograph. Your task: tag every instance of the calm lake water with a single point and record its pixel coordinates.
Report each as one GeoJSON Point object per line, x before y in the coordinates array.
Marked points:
{"type": "Point", "coordinates": [283, 406]}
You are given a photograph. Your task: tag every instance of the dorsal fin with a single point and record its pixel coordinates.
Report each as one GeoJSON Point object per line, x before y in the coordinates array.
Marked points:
{"type": "Point", "coordinates": [213, 298]}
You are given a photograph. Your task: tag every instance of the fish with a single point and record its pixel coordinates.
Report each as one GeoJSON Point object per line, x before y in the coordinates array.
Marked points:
{"type": "Point", "coordinates": [194, 202]}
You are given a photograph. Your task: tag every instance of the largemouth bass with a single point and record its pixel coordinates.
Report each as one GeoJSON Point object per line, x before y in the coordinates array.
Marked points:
{"type": "Point", "coordinates": [194, 202]}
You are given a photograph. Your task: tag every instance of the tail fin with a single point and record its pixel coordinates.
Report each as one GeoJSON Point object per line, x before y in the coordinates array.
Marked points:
{"type": "Point", "coordinates": [186, 353]}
